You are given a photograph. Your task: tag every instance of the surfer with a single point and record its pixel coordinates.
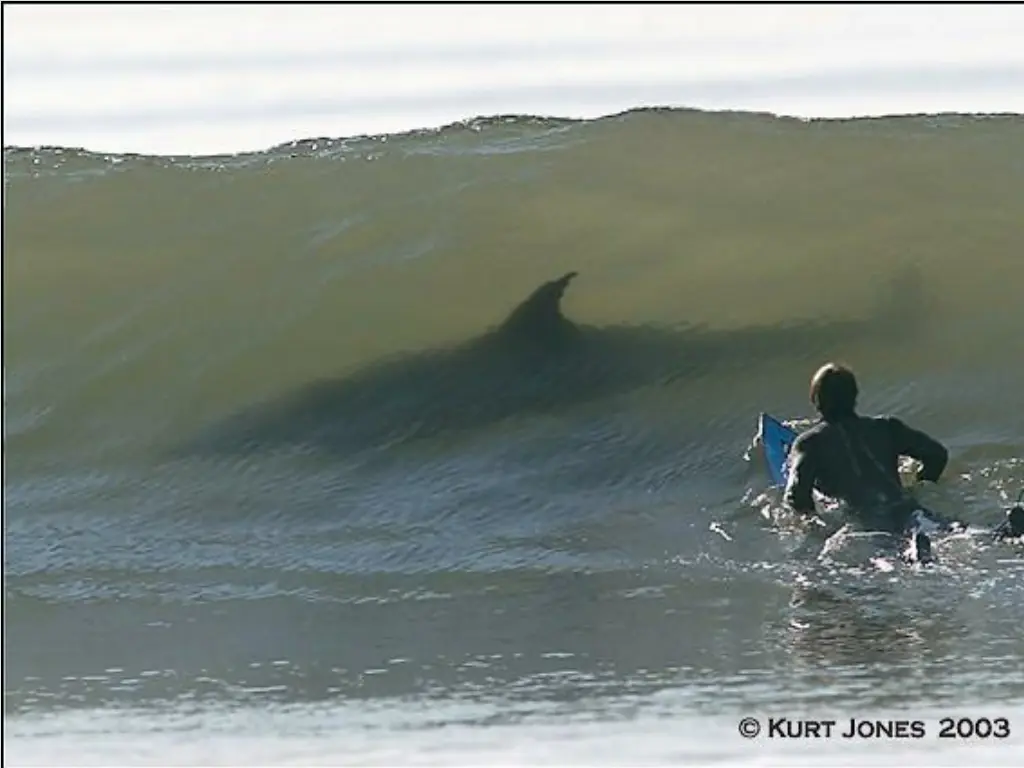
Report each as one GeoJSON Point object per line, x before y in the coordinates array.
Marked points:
{"type": "Point", "coordinates": [855, 459]}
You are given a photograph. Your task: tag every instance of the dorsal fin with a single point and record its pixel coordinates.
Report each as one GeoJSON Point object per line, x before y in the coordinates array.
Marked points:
{"type": "Point", "coordinates": [539, 315]}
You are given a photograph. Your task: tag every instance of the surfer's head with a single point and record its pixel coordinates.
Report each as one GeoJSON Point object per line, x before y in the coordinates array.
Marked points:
{"type": "Point", "coordinates": [834, 392]}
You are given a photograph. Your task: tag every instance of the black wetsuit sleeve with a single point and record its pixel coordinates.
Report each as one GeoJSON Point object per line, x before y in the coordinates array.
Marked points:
{"type": "Point", "coordinates": [917, 445]}
{"type": "Point", "coordinates": [799, 494]}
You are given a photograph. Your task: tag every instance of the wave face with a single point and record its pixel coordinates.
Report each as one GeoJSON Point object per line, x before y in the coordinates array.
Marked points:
{"type": "Point", "coordinates": [316, 404]}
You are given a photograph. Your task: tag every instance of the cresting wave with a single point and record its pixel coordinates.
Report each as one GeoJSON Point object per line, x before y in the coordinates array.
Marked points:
{"type": "Point", "coordinates": [147, 298]}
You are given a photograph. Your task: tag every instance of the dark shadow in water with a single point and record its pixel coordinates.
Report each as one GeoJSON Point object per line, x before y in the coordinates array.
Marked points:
{"type": "Point", "coordinates": [536, 361]}
{"type": "Point", "coordinates": [865, 627]}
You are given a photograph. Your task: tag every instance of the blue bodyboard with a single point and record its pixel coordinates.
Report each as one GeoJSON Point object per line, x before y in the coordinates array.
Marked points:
{"type": "Point", "coordinates": [776, 439]}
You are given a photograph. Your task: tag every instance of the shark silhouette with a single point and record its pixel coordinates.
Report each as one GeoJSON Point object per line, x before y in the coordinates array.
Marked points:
{"type": "Point", "coordinates": [535, 361]}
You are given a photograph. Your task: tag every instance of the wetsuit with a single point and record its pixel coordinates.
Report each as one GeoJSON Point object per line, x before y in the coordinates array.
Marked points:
{"type": "Point", "coordinates": [856, 460]}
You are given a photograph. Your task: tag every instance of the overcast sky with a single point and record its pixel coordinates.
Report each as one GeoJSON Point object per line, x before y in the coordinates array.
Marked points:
{"type": "Point", "coordinates": [203, 78]}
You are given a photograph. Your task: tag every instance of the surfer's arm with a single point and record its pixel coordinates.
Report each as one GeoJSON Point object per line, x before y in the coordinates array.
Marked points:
{"type": "Point", "coordinates": [799, 495]}
{"type": "Point", "coordinates": [917, 445]}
